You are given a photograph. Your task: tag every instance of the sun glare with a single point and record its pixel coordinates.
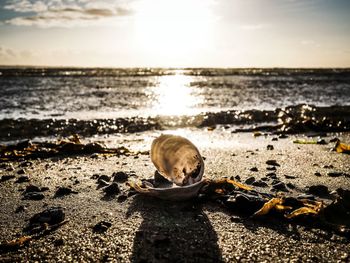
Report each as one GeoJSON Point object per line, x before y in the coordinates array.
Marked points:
{"type": "Point", "coordinates": [174, 96]}
{"type": "Point", "coordinates": [172, 31]}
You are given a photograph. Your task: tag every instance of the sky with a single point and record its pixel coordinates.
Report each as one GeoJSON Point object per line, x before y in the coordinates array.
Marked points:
{"type": "Point", "coordinates": [175, 33]}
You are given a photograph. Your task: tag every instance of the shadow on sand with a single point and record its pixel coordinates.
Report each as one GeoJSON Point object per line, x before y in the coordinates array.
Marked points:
{"type": "Point", "coordinates": [173, 232]}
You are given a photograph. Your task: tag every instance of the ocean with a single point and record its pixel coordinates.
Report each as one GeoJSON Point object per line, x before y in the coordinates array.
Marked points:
{"type": "Point", "coordinates": [47, 102]}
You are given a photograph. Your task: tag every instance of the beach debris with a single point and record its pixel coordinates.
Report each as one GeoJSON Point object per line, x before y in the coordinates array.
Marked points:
{"type": "Point", "coordinates": [15, 243]}
{"type": "Point", "coordinates": [70, 146]}
{"type": "Point", "coordinates": [177, 159]}
{"type": "Point", "coordinates": [101, 227]}
{"type": "Point", "coordinates": [342, 147]}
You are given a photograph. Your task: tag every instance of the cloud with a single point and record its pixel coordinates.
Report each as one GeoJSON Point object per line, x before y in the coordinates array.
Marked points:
{"type": "Point", "coordinates": [64, 13]}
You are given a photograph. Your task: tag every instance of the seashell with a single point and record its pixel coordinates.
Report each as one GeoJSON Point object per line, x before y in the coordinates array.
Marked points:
{"type": "Point", "coordinates": [180, 163]}
{"type": "Point", "coordinates": [177, 159]}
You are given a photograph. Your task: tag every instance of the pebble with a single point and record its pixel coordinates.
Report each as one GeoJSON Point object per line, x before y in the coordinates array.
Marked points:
{"type": "Point", "coordinates": [51, 216]}
{"type": "Point", "coordinates": [250, 180]}
{"type": "Point", "coordinates": [318, 190]}
{"type": "Point", "coordinates": [254, 169]}
{"type": "Point", "coordinates": [23, 179]}
{"type": "Point", "coordinates": [334, 174]}
{"type": "Point", "coordinates": [102, 183]}
{"type": "Point", "coordinates": [271, 168]}
{"type": "Point", "coordinates": [290, 185]}
{"type": "Point", "coordinates": [120, 176]}
{"type": "Point", "coordinates": [280, 187]}
{"type": "Point", "coordinates": [101, 227]}
{"type": "Point", "coordinates": [289, 176]}
{"type": "Point", "coordinates": [62, 191]}
{"type": "Point", "coordinates": [272, 162]}
{"type": "Point", "coordinates": [20, 209]}
{"type": "Point", "coordinates": [32, 188]}
{"type": "Point", "coordinates": [21, 171]}
{"type": "Point", "coordinates": [112, 189]}
{"type": "Point", "coordinates": [104, 177]}
{"type": "Point", "coordinates": [34, 196]}
{"type": "Point", "coordinates": [238, 178]}
{"type": "Point", "coordinates": [260, 183]}
{"type": "Point", "coordinates": [95, 176]}
{"type": "Point", "coordinates": [274, 139]}
{"type": "Point", "coordinates": [283, 136]}
{"type": "Point", "coordinates": [317, 173]}
{"type": "Point", "coordinates": [6, 178]}
{"type": "Point", "coordinates": [269, 147]}
{"type": "Point", "coordinates": [272, 175]}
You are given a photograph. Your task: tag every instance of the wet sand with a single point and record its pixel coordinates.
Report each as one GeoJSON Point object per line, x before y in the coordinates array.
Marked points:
{"type": "Point", "coordinates": [144, 229]}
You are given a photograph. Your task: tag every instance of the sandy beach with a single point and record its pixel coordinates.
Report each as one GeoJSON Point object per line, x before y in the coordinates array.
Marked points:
{"type": "Point", "coordinates": [137, 228]}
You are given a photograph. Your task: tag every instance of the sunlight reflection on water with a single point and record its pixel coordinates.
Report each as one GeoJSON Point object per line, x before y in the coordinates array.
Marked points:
{"type": "Point", "coordinates": [174, 96]}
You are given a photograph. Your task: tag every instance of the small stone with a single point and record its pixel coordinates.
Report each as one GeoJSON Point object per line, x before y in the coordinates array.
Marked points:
{"type": "Point", "coordinates": [319, 190]}
{"type": "Point", "coordinates": [271, 175]}
{"type": "Point", "coordinates": [275, 181]}
{"type": "Point", "coordinates": [94, 156]}
{"type": "Point", "coordinates": [34, 196]}
{"type": "Point", "coordinates": [112, 189]}
{"type": "Point", "coordinates": [102, 183]}
{"type": "Point", "coordinates": [334, 174]}
{"type": "Point", "coordinates": [62, 191]}
{"type": "Point", "coordinates": [6, 178]}
{"type": "Point", "coordinates": [321, 141]}
{"type": "Point", "coordinates": [264, 179]}
{"type": "Point", "coordinates": [95, 176]}
{"type": "Point", "coordinates": [289, 176]}
{"type": "Point", "coordinates": [274, 139]}
{"type": "Point", "coordinates": [254, 169]}
{"type": "Point", "coordinates": [51, 216]}
{"type": "Point", "coordinates": [328, 166]}
{"type": "Point", "coordinates": [271, 168]}
{"type": "Point", "coordinates": [283, 136]}
{"type": "Point", "coordinates": [20, 209]}
{"type": "Point", "coordinates": [250, 180]}
{"type": "Point", "coordinates": [32, 188]}
{"type": "Point", "coordinates": [23, 179]}
{"type": "Point", "coordinates": [101, 227]}
{"type": "Point", "coordinates": [21, 171]}
{"type": "Point", "coordinates": [290, 185]}
{"type": "Point", "coordinates": [269, 147]}
{"type": "Point", "coordinates": [280, 187]}
{"type": "Point", "coordinates": [238, 178]}
{"type": "Point", "coordinates": [260, 183]}
{"type": "Point", "coordinates": [120, 176]}
{"type": "Point", "coordinates": [317, 173]}
{"type": "Point", "coordinates": [104, 177]}
{"type": "Point", "coordinates": [272, 162]}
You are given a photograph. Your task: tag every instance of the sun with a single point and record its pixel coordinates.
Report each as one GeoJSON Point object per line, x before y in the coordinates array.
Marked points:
{"type": "Point", "coordinates": [171, 32]}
